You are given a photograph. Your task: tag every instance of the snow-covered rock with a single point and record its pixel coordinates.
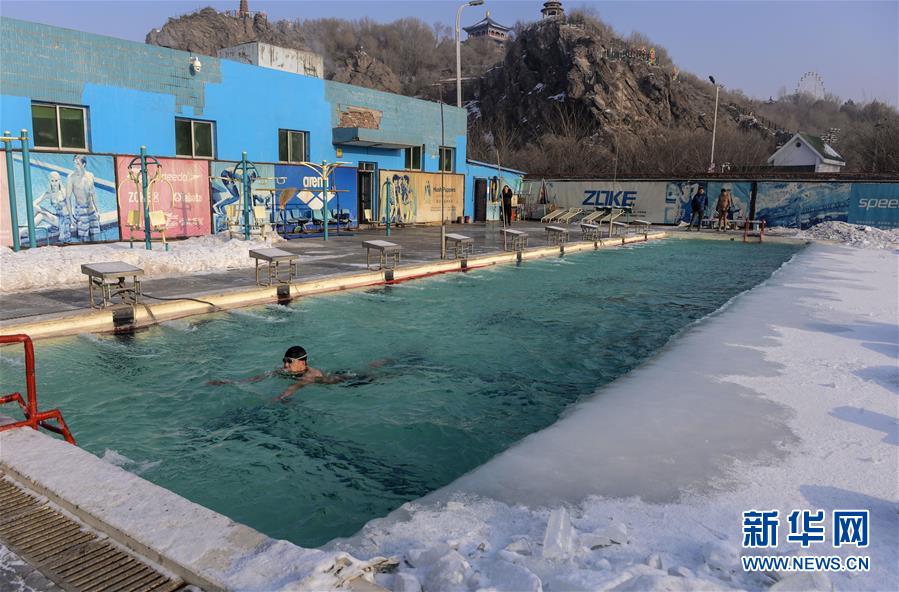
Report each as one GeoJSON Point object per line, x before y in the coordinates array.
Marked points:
{"type": "Point", "coordinates": [855, 235]}
{"type": "Point", "coordinates": [521, 545]}
{"type": "Point", "coordinates": [449, 573]}
{"type": "Point", "coordinates": [502, 576]}
{"type": "Point", "coordinates": [405, 582]}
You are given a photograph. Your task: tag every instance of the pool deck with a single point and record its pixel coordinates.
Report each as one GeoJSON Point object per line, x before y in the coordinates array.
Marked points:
{"type": "Point", "coordinates": [337, 264]}
{"type": "Point", "coordinates": [323, 266]}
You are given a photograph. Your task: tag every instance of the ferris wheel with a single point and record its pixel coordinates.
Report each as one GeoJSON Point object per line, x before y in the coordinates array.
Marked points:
{"type": "Point", "coordinates": [812, 84]}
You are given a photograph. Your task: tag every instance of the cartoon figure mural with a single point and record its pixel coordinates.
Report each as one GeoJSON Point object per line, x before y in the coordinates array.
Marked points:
{"type": "Point", "coordinates": [226, 188]}
{"type": "Point", "coordinates": [74, 198]}
{"type": "Point", "coordinates": [403, 202]}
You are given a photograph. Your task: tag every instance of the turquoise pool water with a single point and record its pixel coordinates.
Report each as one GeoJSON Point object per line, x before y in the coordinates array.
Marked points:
{"type": "Point", "coordinates": [471, 363]}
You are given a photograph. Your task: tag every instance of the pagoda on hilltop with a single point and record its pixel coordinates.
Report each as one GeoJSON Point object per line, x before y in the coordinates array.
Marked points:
{"type": "Point", "coordinates": [489, 29]}
{"type": "Point", "coordinates": [552, 9]}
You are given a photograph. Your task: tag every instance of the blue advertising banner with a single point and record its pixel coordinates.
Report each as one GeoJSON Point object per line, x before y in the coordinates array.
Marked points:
{"type": "Point", "coordinates": [74, 198]}
{"type": "Point", "coordinates": [301, 199]}
{"type": "Point", "coordinates": [874, 204]}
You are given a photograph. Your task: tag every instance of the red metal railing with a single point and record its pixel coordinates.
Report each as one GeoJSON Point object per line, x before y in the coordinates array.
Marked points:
{"type": "Point", "coordinates": [761, 234]}
{"type": "Point", "coordinates": [33, 418]}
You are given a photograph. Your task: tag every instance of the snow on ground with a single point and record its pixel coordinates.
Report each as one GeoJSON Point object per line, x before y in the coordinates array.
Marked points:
{"type": "Point", "coordinates": [53, 267]}
{"type": "Point", "coordinates": [854, 235]}
{"type": "Point", "coordinates": [18, 576]}
{"type": "Point", "coordinates": [786, 399]}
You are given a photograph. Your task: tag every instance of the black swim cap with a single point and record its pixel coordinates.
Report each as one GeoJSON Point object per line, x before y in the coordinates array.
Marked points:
{"type": "Point", "coordinates": [295, 353]}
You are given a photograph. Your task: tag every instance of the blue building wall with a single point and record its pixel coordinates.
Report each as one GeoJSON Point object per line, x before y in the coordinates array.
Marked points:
{"type": "Point", "coordinates": [134, 92]}
{"type": "Point", "coordinates": [505, 176]}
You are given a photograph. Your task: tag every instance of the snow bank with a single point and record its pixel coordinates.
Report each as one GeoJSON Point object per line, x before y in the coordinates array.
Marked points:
{"type": "Point", "coordinates": [53, 267]}
{"type": "Point", "coordinates": [855, 235]}
{"type": "Point", "coordinates": [642, 487]}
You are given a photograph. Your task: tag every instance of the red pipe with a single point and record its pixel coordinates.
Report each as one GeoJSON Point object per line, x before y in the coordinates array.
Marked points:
{"type": "Point", "coordinates": [33, 418]}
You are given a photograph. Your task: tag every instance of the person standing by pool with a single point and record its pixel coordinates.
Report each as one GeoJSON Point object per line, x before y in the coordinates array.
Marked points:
{"type": "Point", "coordinates": [81, 194]}
{"type": "Point", "coordinates": [721, 209]}
{"type": "Point", "coordinates": [507, 204]}
{"type": "Point", "coordinates": [698, 205]}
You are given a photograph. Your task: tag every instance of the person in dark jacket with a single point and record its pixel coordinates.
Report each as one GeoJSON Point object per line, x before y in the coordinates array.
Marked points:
{"type": "Point", "coordinates": [507, 203]}
{"type": "Point", "coordinates": [698, 205]}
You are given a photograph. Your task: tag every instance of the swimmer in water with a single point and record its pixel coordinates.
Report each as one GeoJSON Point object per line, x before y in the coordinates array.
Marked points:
{"type": "Point", "coordinates": [295, 365]}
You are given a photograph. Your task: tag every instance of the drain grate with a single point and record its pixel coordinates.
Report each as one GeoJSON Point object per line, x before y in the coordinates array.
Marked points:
{"type": "Point", "coordinates": [73, 558]}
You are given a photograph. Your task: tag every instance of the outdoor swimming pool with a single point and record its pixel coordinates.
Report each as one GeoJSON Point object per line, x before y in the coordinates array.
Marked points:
{"type": "Point", "coordinates": [471, 363]}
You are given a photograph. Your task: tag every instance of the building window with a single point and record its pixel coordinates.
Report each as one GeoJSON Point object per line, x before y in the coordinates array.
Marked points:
{"type": "Point", "coordinates": [194, 138]}
{"type": "Point", "coordinates": [59, 127]}
{"type": "Point", "coordinates": [447, 159]}
{"type": "Point", "coordinates": [292, 146]}
{"type": "Point", "coordinates": [413, 158]}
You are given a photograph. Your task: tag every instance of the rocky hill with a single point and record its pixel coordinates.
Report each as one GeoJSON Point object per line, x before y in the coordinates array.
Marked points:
{"type": "Point", "coordinates": [207, 31]}
{"type": "Point", "coordinates": [566, 97]}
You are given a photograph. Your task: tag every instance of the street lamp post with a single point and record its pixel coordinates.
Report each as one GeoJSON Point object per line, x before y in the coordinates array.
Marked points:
{"type": "Point", "coordinates": [714, 124]}
{"type": "Point", "coordinates": [459, 49]}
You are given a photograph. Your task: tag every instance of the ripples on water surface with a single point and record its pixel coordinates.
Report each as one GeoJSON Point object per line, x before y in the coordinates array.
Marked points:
{"type": "Point", "coordinates": [474, 362]}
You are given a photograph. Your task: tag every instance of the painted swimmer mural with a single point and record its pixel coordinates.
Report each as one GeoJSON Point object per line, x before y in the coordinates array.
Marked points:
{"type": "Point", "coordinates": [74, 198]}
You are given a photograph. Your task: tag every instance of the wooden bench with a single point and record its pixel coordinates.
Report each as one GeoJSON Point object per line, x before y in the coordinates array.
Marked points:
{"type": "Point", "coordinates": [556, 235]}
{"type": "Point", "coordinates": [271, 260]}
{"type": "Point", "coordinates": [514, 240]}
{"type": "Point", "coordinates": [387, 252]}
{"type": "Point", "coordinates": [462, 245]}
{"type": "Point", "coordinates": [110, 278]}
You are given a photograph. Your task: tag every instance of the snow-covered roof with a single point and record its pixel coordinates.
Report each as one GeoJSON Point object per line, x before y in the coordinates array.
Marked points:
{"type": "Point", "coordinates": [821, 148]}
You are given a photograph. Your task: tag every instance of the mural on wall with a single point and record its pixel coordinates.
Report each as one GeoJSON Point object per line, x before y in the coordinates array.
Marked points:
{"type": "Point", "coordinates": [5, 225]}
{"type": "Point", "coordinates": [678, 198]}
{"type": "Point", "coordinates": [798, 204]}
{"type": "Point", "coordinates": [226, 190]}
{"type": "Point", "coordinates": [301, 199]}
{"type": "Point", "coordinates": [73, 196]}
{"type": "Point", "coordinates": [180, 189]}
{"type": "Point", "coordinates": [415, 197]}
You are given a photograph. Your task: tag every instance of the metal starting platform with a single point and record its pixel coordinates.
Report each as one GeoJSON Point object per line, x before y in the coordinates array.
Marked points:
{"type": "Point", "coordinates": [111, 278]}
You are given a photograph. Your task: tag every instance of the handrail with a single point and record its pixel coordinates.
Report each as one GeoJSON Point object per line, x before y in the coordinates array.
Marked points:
{"type": "Point", "coordinates": [33, 417]}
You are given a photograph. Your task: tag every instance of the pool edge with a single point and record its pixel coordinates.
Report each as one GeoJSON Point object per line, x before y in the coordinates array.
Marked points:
{"type": "Point", "coordinates": [145, 315]}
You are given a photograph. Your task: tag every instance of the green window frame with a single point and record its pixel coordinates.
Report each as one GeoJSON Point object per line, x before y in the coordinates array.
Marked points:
{"type": "Point", "coordinates": [59, 127]}
{"type": "Point", "coordinates": [413, 157]}
{"type": "Point", "coordinates": [293, 146]}
{"type": "Point", "coordinates": [194, 138]}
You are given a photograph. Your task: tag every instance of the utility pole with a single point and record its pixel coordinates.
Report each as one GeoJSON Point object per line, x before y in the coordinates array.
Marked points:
{"type": "Point", "coordinates": [714, 124]}
{"type": "Point", "coordinates": [459, 49]}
